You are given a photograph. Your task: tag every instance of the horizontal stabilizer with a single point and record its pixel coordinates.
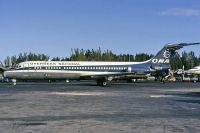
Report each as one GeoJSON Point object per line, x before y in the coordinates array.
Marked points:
{"type": "Point", "coordinates": [180, 45]}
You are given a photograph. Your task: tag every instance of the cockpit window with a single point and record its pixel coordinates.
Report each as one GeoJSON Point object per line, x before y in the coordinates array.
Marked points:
{"type": "Point", "coordinates": [17, 66]}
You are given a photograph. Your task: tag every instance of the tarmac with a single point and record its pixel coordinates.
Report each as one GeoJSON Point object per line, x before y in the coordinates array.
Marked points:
{"type": "Point", "coordinates": [83, 107]}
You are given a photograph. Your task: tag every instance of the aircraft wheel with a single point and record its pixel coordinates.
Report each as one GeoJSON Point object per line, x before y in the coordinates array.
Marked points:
{"type": "Point", "coordinates": [14, 81]}
{"type": "Point", "coordinates": [104, 83]}
{"type": "Point", "coordinates": [101, 82]}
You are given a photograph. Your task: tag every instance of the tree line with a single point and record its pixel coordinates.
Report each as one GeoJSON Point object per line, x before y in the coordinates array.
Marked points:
{"type": "Point", "coordinates": [188, 59]}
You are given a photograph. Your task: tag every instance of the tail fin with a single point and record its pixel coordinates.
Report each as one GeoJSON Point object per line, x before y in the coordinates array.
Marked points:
{"type": "Point", "coordinates": [164, 55]}
{"type": "Point", "coordinates": [160, 63]}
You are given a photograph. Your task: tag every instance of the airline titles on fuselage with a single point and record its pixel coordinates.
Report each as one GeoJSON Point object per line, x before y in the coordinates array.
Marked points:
{"type": "Point", "coordinates": [55, 63]}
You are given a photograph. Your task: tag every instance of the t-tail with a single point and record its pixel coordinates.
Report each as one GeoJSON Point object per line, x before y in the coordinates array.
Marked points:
{"type": "Point", "coordinates": [161, 61]}
{"type": "Point", "coordinates": [167, 52]}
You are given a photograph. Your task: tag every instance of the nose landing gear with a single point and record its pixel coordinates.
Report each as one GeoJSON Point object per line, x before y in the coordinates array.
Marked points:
{"type": "Point", "coordinates": [14, 81]}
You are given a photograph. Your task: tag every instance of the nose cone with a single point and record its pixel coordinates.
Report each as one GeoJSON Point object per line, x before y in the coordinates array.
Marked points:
{"type": "Point", "coordinates": [7, 74]}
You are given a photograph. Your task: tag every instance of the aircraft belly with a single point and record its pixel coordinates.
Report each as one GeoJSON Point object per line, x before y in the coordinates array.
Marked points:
{"type": "Point", "coordinates": [48, 74]}
{"type": "Point", "coordinates": [61, 76]}
{"type": "Point", "coordinates": [41, 75]}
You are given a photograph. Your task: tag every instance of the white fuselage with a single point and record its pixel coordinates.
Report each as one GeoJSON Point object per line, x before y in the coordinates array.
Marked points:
{"type": "Point", "coordinates": [195, 71]}
{"type": "Point", "coordinates": [67, 69]}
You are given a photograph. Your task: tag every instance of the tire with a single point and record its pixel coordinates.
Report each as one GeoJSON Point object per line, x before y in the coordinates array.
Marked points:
{"type": "Point", "coordinates": [104, 83]}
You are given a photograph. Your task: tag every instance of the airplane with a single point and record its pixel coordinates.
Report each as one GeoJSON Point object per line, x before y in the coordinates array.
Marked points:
{"type": "Point", "coordinates": [100, 71]}
{"type": "Point", "coordinates": [193, 71]}
{"type": "Point", "coordinates": [190, 74]}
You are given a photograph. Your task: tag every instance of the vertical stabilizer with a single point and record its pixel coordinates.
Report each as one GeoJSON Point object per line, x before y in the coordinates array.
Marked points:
{"type": "Point", "coordinates": [168, 51]}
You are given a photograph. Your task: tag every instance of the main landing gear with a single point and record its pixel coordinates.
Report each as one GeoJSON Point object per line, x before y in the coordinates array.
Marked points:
{"type": "Point", "coordinates": [101, 82]}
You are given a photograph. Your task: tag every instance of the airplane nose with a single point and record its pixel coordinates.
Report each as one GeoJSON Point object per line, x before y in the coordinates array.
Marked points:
{"type": "Point", "coordinates": [9, 74]}
{"type": "Point", "coordinates": [6, 74]}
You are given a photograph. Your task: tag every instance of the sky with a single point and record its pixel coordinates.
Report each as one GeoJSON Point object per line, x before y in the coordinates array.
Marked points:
{"type": "Point", "coordinates": [54, 27]}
